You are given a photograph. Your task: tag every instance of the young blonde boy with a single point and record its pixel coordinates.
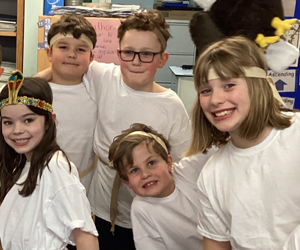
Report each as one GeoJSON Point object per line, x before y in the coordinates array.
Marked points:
{"type": "Point", "coordinates": [164, 212]}
{"type": "Point", "coordinates": [71, 41]}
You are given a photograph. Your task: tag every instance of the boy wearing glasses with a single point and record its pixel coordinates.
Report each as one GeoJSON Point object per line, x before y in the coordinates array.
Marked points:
{"type": "Point", "coordinates": [124, 95]}
{"type": "Point", "coordinates": [127, 94]}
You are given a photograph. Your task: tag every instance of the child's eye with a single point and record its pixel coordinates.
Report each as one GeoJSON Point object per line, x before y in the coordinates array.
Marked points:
{"type": "Point", "coordinates": [81, 50]}
{"type": "Point", "coordinates": [229, 85]}
{"type": "Point", "coordinates": [29, 120]}
{"type": "Point", "coordinates": [128, 52]}
{"type": "Point", "coordinates": [6, 123]}
{"type": "Point", "coordinates": [204, 91]}
{"type": "Point", "coordinates": [62, 47]}
{"type": "Point", "coordinates": [151, 163]}
{"type": "Point", "coordinates": [133, 171]}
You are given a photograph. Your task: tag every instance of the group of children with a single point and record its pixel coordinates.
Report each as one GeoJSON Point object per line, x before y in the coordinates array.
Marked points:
{"type": "Point", "coordinates": [122, 131]}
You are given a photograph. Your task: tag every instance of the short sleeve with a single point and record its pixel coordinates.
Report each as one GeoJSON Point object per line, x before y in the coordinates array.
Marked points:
{"type": "Point", "coordinates": [68, 210]}
{"type": "Point", "coordinates": [293, 241]}
{"type": "Point", "coordinates": [180, 133]}
{"type": "Point", "coordinates": [210, 223]}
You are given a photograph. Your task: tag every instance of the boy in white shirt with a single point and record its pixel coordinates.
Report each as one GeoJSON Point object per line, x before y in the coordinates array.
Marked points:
{"type": "Point", "coordinates": [71, 41]}
{"type": "Point", "coordinates": [164, 212]}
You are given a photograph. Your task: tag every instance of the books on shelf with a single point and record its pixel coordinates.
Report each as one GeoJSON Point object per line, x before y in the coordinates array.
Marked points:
{"type": "Point", "coordinates": [8, 26]}
{"type": "Point", "coordinates": [119, 10]}
{"type": "Point", "coordinates": [8, 23]}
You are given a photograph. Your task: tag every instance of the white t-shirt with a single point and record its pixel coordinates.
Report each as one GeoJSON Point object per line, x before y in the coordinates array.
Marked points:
{"type": "Point", "coordinates": [45, 219]}
{"type": "Point", "coordinates": [170, 223]}
{"type": "Point", "coordinates": [76, 115]}
{"type": "Point", "coordinates": [118, 107]}
{"type": "Point", "coordinates": [293, 241]}
{"type": "Point", "coordinates": [251, 197]}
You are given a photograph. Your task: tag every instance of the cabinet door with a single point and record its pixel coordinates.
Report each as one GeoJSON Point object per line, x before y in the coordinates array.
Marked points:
{"type": "Point", "coordinates": [164, 74]}
{"type": "Point", "coordinates": [181, 41]}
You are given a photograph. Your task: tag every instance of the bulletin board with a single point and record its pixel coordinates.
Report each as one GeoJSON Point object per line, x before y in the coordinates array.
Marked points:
{"type": "Point", "coordinates": [106, 46]}
{"type": "Point", "coordinates": [287, 82]}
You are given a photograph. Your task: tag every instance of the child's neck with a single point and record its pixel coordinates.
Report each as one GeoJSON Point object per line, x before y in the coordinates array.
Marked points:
{"type": "Point", "coordinates": [64, 80]}
{"type": "Point", "coordinates": [239, 142]}
{"type": "Point", "coordinates": [154, 88]}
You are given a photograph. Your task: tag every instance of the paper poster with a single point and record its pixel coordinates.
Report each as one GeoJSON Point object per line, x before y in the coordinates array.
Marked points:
{"type": "Point", "coordinates": [292, 36]}
{"type": "Point", "coordinates": [44, 24]}
{"type": "Point", "coordinates": [289, 102]}
{"type": "Point", "coordinates": [107, 40]}
{"type": "Point", "coordinates": [284, 81]}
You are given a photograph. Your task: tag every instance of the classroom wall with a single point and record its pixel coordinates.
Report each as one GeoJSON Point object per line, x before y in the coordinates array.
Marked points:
{"type": "Point", "coordinates": [32, 10]}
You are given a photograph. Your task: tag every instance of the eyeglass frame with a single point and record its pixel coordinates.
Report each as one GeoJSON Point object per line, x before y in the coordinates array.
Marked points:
{"type": "Point", "coordinates": [138, 53]}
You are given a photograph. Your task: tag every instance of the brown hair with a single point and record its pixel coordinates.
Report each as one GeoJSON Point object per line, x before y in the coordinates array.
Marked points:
{"type": "Point", "coordinates": [120, 151]}
{"type": "Point", "coordinates": [145, 21]}
{"type": "Point", "coordinates": [74, 24]}
{"type": "Point", "coordinates": [12, 163]}
{"type": "Point", "coordinates": [228, 57]}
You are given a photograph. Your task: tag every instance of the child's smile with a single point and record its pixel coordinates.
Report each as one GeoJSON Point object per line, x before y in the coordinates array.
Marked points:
{"type": "Point", "coordinates": [150, 174]}
{"type": "Point", "coordinates": [22, 129]}
{"type": "Point", "coordinates": [225, 103]}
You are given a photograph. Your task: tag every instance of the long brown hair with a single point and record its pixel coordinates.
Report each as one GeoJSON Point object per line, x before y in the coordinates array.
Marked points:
{"type": "Point", "coordinates": [228, 57]}
{"type": "Point", "coordinates": [12, 163]}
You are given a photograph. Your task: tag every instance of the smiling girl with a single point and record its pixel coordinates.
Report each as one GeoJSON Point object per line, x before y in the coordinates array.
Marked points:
{"type": "Point", "coordinates": [44, 205]}
{"type": "Point", "coordinates": [249, 190]}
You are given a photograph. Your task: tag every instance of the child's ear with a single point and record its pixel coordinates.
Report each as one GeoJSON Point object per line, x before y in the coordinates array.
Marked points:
{"type": "Point", "coordinates": [170, 163]}
{"type": "Point", "coordinates": [118, 53]}
{"type": "Point", "coordinates": [54, 116]}
{"type": "Point", "coordinates": [92, 57]}
{"type": "Point", "coordinates": [49, 54]}
{"type": "Point", "coordinates": [125, 182]}
{"type": "Point", "coordinates": [163, 59]}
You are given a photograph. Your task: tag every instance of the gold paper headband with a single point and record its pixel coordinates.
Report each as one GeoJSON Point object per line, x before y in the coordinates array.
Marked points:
{"type": "Point", "coordinates": [155, 137]}
{"type": "Point", "coordinates": [254, 72]}
{"type": "Point", "coordinates": [14, 84]}
{"type": "Point", "coordinates": [83, 38]}
{"type": "Point", "coordinates": [249, 72]}
{"type": "Point", "coordinates": [160, 37]}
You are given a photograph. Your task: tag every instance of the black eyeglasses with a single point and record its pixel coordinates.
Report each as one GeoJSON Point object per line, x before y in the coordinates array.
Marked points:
{"type": "Point", "coordinates": [144, 56]}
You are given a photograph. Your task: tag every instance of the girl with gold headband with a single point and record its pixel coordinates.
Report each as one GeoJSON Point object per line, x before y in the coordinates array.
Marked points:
{"type": "Point", "coordinates": [249, 189]}
{"type": "Point", "coordinates": [43, 203]}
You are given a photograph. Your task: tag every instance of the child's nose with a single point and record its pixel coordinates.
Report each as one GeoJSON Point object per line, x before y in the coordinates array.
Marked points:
{"type": "Point", "coordinates": [145, 174]}
{"type": "Point", "coordinates": [136, 59]}
{"type": "Point", "coordinates": [71, 54]}
{"type": "Point", "coordinates": [217, 97]}
{"type": "Point", "coordinates": [18, 128]}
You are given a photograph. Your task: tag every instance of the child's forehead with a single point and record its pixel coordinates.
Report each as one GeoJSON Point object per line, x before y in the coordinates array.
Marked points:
{"type": "Point", "coordinates": [15, 110]}
{"type": "Point", "coordinates": [72, 40]}
{"type": "Point", "coordinates": [140, 38]}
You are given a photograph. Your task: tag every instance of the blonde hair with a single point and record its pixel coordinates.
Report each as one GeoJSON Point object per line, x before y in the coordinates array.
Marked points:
{"type": "Point", "coordinates": [228, 57]}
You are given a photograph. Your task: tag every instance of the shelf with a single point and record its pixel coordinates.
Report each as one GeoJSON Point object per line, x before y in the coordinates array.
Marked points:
{"type": "Point", "coordinates": [19, 34]}
{"type": "Point", "coordinates": [8, 33]}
